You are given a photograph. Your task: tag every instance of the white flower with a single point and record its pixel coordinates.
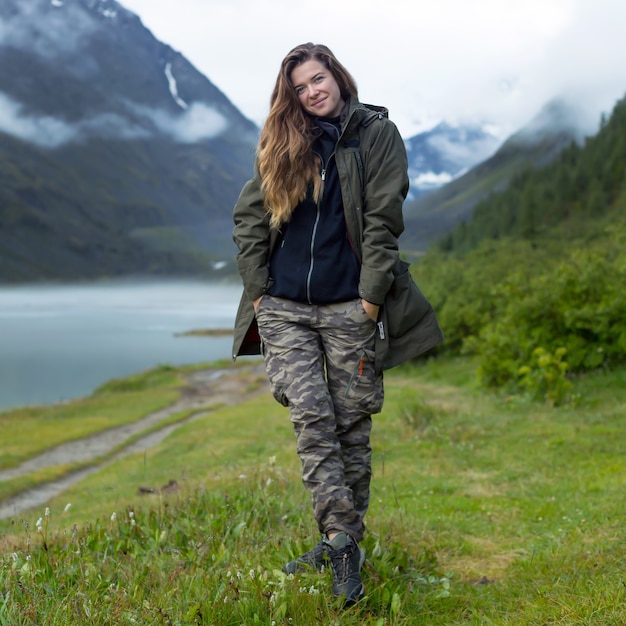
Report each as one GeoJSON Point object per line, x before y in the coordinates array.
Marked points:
{"type": "Point", "coordinates": [131, 515]}
{"type": "Point", "coordinates": [67, 507]}
{"type": "Point", "coordinates": [39, 524]}
{"type": "Point", "coordinates": [252, 574]}
{"type": "Point", "coordinates": [47, 513]}
{"type": "Point", "coordinates": [113, 516]}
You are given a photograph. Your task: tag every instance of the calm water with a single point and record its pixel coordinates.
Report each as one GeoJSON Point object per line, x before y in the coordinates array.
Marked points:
{"type": "Point", "coordinates": [61, 342]}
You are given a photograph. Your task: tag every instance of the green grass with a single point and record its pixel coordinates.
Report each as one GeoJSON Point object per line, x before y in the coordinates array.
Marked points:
{"type": "Point", "coordinates": [485, 510]}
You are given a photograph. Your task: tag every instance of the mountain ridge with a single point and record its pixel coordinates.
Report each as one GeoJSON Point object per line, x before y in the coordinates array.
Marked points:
{"type": "Point", "coordinates": [116, 155]}
{"type": "Point", "coordinates": [431, 216]}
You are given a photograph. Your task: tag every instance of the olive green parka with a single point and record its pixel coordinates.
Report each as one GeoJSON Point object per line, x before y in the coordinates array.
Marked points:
{"type": "Point", "coordinates": [372, 166]}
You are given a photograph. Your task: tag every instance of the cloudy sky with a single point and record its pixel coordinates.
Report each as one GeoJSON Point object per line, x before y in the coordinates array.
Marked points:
{"type": "Point", "coordinates": [496, 61]}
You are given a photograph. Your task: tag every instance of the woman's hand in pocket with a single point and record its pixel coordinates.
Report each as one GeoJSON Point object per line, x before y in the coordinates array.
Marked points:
{"type": "Point", "coordinates": [370, 309]}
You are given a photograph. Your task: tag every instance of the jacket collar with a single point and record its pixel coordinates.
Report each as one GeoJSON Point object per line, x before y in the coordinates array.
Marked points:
{"type": "Point", "coordinates": [357, 113]}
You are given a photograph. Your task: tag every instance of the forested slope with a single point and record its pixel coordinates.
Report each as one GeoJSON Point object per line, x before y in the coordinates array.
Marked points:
{"type": "Point", "coordinates": [534, 282]}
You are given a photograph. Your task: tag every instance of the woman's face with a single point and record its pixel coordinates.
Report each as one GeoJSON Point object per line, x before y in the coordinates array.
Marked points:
{"type": "Point", "coordinates": [317, 89]}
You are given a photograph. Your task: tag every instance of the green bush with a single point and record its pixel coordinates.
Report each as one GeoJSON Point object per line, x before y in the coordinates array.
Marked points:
{"type": "Point", "coordinates": [545, 377]}
{"type": "Point", "coordinates": [578, 305]}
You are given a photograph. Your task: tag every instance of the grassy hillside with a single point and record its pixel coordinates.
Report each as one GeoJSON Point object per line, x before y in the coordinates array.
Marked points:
{"type": "Point", "coordinates": [485, 510]}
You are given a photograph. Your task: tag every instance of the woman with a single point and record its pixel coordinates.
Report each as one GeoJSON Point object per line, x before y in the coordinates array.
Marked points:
{"type": "Point", "coordinates": [317, 229]}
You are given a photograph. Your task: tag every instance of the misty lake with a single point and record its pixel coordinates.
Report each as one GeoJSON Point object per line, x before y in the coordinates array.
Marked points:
{"type": "Point", "coordinates": [60, 342]}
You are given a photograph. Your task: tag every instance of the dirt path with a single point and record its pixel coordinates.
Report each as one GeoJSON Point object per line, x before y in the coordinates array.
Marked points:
{"type": "Point", "coordinates": [205, 389]}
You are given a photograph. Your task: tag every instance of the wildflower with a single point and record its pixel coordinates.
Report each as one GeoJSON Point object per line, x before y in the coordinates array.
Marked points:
{"type": "Point", "coordinates": [113, 516]}
{"type": "Point", "coordinates": [252, 574]}
{"type": "Point", "coordinates": [67, 507]}
{"type": "Point", "coordinates": [131, 515]}
{"type": "Point", "coordinates": [272, 461]}
{"type": "Point", "coordinates": [47, 513]}
{"type": "Point", "coordinates": [268, 482]}
{"type": "Point", "coordinates": [39, 525]}
{"type": "Point", "coordinates": [15, 557]}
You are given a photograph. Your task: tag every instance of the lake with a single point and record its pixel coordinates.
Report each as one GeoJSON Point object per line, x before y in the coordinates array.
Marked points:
{"type": "Point", "coordinates": [59, 342]}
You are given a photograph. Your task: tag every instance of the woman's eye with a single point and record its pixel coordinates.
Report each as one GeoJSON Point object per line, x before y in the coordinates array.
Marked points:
{"type": "Point", "coordinates": [299, 90]}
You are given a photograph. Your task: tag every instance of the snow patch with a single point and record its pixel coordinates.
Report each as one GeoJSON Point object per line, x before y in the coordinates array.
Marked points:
{"type": "Point", "coordinates": [174, 87]}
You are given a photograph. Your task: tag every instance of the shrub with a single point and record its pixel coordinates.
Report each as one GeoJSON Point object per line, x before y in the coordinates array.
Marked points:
{"type": "Point", "coordinates": [545, 377]}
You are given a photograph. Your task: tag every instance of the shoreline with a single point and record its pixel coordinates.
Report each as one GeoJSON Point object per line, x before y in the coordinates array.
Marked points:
{"type": "Point", "coordinates": [204, 391]}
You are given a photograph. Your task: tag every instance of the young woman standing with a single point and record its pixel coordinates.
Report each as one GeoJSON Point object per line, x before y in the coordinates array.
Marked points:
{"type": "Point", "coordinates": [317, 230]}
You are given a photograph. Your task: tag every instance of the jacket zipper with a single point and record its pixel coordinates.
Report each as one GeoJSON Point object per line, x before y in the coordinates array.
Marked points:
{"type": "Point", "coordinates": [313, 234]}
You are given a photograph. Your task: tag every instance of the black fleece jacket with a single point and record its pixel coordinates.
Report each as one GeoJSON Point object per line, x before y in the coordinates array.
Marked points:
{"type": "Point", "coordinates": [314, 261]}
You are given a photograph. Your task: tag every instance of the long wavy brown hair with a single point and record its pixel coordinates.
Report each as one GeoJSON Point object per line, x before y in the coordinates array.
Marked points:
{"type": "Point", "coordinates": [286, 162]}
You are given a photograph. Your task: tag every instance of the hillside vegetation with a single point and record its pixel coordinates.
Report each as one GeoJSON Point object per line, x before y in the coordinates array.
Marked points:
{"type": "Point", "coordinates": [534, 283]}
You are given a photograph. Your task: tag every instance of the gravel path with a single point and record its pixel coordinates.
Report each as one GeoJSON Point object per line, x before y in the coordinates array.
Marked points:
{"type": "Point", "coordinates": [205, 388]}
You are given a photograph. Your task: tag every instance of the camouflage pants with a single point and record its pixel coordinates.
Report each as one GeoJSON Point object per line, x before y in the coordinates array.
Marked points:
{"type": "Point", "coordinates": [320, 363]}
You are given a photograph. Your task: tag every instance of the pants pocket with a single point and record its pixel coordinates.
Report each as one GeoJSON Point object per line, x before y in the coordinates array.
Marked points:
{"type": "Point", "coordinates": [365, 386]}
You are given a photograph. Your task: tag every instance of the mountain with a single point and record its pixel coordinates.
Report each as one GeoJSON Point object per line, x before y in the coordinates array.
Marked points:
{"type": "Point", "coordinates": [117, 156]}
{"type": "Point", "coordinates": [573, 195]}
{"type": "Point", "coordinates": [439, 155]}
{"type": "Point", "coordinates": [431, 216]}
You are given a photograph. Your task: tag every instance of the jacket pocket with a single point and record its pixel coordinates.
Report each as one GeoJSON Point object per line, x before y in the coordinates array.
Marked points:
{"type": "Point", "coordinates": [406, 305]}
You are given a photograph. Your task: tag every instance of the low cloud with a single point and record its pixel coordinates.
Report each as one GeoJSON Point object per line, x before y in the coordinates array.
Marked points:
{"type": "Point", "coordinates": [199, 122]}
{"type": "Point", "coordinates": [465, 151]}
{"type": "Point", "coordinates": [47, 30]}
{"type": "Point", "coordinates": [44, 131]}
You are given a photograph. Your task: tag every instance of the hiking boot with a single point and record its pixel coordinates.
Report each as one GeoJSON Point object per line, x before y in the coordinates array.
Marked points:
{"type": "Point", "coordinates": [346, 560]}
{"type": "Point", "coordinates": [313, 559]}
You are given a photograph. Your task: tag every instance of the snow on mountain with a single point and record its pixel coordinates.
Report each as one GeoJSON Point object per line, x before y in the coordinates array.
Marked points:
{"type": "Point", "coordinates": [441, 154]}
